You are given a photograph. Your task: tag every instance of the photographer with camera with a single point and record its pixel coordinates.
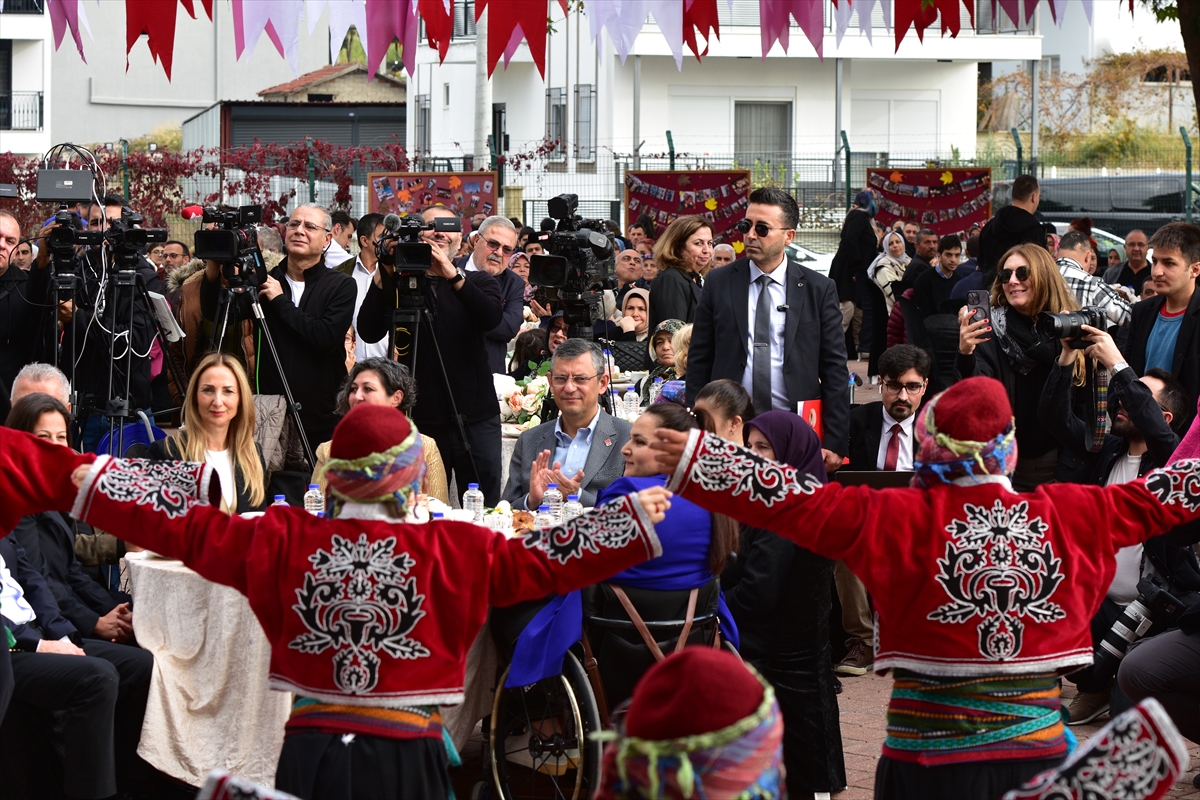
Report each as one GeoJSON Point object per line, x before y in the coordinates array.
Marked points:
{"type": "Point", "coordinates": [1142, 439]}
{"type": "Point", "coordinates": [463, 307]}
{"type": "Point", "coordinates": [496, 242]}
{"type": "Point", "coordinates": [307, 308]}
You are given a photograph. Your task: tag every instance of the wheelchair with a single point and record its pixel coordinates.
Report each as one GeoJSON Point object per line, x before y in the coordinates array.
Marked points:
{"type": "Point", "coordinates": [540, 742]}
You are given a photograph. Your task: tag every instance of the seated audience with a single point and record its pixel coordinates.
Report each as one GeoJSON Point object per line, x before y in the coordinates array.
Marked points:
{"type": "Point", "coordinates": [662, 356]}
{"type": "Point", "coordinates": [218, 429]}
{"type": "Point", "coordinates": [529, 348]}
{"type": "Point", "coordinates": [38, 378]}
{"type": "Point", "coordinates": [727, 406]}
{"type": "Point", "coordinates": [635, 316]}
{"type": "Point", "coordinates": [48, 539]}
{"type": "Point", "coordinates": [383, 382]}
{"type": "Point", "coordinates": [580, 451]}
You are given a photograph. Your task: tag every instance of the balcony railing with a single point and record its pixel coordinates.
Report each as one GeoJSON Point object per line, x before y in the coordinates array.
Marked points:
{"type": "Point", "coordinates": [23, 7]}
{"type": "Point", "coordinates": [20, 111]}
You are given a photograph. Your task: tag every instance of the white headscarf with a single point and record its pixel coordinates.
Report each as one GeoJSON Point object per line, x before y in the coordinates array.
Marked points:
{"type": "Point", "coordinates": [901, 260]}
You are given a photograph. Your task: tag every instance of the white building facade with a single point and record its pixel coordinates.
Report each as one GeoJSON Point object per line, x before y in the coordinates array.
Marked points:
{"type": "Point", "coordinates": [26, 46]}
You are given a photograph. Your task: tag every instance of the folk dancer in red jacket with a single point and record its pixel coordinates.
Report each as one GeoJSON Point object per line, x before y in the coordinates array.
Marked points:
{"type": "Point", "coordinates": [369, 619]}
{"type": "Point", "coordinates": [983, 595]}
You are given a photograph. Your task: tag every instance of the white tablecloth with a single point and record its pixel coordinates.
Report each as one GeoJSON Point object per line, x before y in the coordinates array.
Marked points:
{"type": "Point", "coordinates": [209, 705]}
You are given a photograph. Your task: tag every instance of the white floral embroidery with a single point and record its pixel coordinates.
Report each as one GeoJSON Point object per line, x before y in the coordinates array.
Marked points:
{"type": "Point", "coordinates": [171, 487]}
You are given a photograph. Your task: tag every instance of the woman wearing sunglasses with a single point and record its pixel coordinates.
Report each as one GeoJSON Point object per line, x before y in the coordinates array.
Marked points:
{"type": "Point", "coordinates": [1008, 346]}
{"type": "Point", "coordinates": [684, 249]}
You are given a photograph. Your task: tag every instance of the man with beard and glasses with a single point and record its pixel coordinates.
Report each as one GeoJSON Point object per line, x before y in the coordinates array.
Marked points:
{"type": "Point", "coordinates": [1143, 437]}
{"type": "Point", "coordinates": [882, 437]}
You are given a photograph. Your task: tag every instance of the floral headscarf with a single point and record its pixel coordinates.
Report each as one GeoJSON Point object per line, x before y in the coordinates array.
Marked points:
{"type": "Point", "coordinates": [668, 326]}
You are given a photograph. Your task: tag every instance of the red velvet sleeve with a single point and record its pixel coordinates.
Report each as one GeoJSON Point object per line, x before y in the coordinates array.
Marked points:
{"type": "Point", "coordinates": [588, 549]}
{"type": "Point", "coordinates": [830, 520]}
{"type": "Point", "coordinates": [168, 507]}
{"type": "Point", "coordinates": [35, 476]}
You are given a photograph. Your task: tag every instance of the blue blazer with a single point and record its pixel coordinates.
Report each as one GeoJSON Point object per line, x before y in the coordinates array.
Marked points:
{"type": "Point", "coordinates": [38, 594]}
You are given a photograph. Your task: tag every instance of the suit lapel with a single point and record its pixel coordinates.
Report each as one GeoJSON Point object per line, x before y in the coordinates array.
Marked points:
{"type": "Point", "coordinates": [873, 434]}
{"type": "Point", "coordinates": [604, 443]}
{"type": "Point", "coordinates": [740, 297]}
{"type": "Point", "coordinates": [1187, 332]}
{"type": "Point", "coordinates": [795, 297]}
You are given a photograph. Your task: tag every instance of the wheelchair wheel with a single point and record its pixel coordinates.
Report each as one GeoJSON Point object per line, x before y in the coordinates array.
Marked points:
{"type": "Point", "coordinates": [540, 745]}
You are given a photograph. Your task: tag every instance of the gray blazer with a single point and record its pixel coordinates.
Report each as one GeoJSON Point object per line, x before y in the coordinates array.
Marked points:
{"type": "Point", "coordinates": [603, 466]}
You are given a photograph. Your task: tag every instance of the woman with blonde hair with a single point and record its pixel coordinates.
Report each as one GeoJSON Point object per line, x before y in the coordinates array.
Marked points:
{"type": "Point", "coordinates": [1010, 348]}
{"type": "Point", "coordinates": [681, 253]}
{"type": "Point", "coordinates": [218, 429]}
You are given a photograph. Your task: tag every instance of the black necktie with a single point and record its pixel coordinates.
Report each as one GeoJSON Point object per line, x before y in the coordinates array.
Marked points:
{"type": "Point", "coordinates": [761, 368]}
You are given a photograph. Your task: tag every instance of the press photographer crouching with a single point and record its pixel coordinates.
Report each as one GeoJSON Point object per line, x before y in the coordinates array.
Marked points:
{"type": "Point", "coordinates": [455, 310]}
{"type": "Point", "coordinates": [1142, 439]}
{"type": "Point", "coordinates": [306, 308]}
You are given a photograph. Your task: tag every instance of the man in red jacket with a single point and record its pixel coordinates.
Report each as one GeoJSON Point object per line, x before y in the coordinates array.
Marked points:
{"type": "Point", "coordinates": [984, 595]}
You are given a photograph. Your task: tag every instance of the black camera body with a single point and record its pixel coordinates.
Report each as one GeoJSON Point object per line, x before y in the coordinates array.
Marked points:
{"type": "Point", "coordinates": [1153, 604]}
{"type": "Point", "coordinates": [234, 245]}
{"type": "Point", "coordinates": [579, 263]}
{"type": "Point", "coordinates": [1069, 325]}
{"type": "Point", "coordinates": [128, 242]}
{"type": "Point", "coordinates": [63, 240]}
{"type": "Point", "coordinates": [400, 243]}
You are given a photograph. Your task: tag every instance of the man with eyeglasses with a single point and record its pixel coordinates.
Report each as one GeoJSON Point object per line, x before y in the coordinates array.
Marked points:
{"type": "Point", "coordinates": [465, 306]}
{"type": "Point", "coordinates": [882, 437]}
{"type": "Point", "coordinates": [581, 450]}
{"type": "Point", "coordinates": [308, 308]}
{"type": "Point", "coordinates": [1142, 438]}
{"type": "Point", "coordinates": [495, 245]}
{"type": "Point", "coordinates": [774, 326]}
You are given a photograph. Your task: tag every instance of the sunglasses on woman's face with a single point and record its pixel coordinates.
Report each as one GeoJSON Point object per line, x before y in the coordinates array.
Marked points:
{"type": "Point", "coordinates": [1021, 272]}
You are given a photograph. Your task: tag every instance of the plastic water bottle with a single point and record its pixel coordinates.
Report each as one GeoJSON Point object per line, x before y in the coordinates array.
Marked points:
{"type": "Point", "coordinates": [631, 402]}
{"type": "Point", "coordinates": [618, 407]}
{"type": "Point", "coordinates": [613, 369]}
{"type": "Point", "coordinates": [314, 501]}
{"type": "Point", "coordinates": [438, 515]}
{"type": "Point", "coordinates": [543, 518]}
{"type": "Point", "coordinates": [572, 508]}
{"type": "Point", "coordinates": [473, 502]}
{"type": "Point", "coordinates": [280, 500]}
{"type": "Point", "coordinates": [655, 389]}
{"type": "Point", "coordinates": [553, 500]}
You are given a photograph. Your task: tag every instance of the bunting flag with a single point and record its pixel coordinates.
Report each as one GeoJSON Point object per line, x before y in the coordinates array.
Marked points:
{"type": "Point", "coordinates": [1058, 9]}
{"type": "Point", "coordinates": [312, 12]}
{"type": "Point", "coordinates": [841, 18]}
{"type": "Point", "coordinates": [156, 19]}
{"type": "Point", "coordinates": [700, 15]}
{"type": "Point", "coordinates": [528, 15]}
{"type": "Point", "coordinates": [388, 21]}
{"type": "Point", "coordinates": [1087, 9]}
{"type": "Point", "coordinates": [190, 9]}
{"type": "Point", "coordinates": [668, 15]}
{"type": "Point", "coordinates": [774, 24]}
{"type": "Point", "coordinates": [279, 19]}
{"type": "Point", "coordinates": [1011, 9]}
{"type": "Point", "coordinates": [342, 15]}
{"type": "Point", "coordinates": [919, 14]}
{"type": "Point", "coordinates": [64, 14]}
{"type": "Point", "coordinates": [439, 24]}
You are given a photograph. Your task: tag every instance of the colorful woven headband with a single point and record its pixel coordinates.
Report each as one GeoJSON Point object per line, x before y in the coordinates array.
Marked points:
{"type": "Point", "coordinates": [739, 762]}
{"type": "Point", "coordinates": [942, 458]}
{"type": "Point", "coordinates": [394, 474]}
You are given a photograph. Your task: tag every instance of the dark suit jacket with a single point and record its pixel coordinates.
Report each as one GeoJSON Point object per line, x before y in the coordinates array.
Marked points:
{"type": "Point", "coordinates": [814, 364]}
{"type": "Point", "coordinates": [603, 466]}
{"type": "Point", "coordinates": [169, 450]}
{"type": "Point", "coordinates": [1186, 364]}
{"type": "Point", "coordinates": [49, 543]}
{"type": "Point", "coordinates": [673, 295]}
{"type": "Point", "coordinates": [49, 622]}
{"type": "Point", "coordinates": [866, 432]}
{"type": "Point", "coordinates": [512, 301]}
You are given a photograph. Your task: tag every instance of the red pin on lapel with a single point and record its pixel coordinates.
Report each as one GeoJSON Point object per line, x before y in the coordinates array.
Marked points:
{"type": "Point", "coordinates": [608, 442]}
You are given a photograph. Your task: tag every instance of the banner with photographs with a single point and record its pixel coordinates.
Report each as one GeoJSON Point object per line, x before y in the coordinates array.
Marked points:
{"type": "Point", "coordinates": [464, 193]}
{"type": "Point", "coordinates": [719, 197]}
{"type": "Point", "coordinates": [947, 201]}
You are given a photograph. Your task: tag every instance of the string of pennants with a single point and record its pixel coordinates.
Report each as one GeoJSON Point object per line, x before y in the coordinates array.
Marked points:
{"type": "Point", "coordinates": [690, 23]}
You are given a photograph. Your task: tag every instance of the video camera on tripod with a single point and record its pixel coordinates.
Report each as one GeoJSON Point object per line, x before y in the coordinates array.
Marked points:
{"type": "Point", "coordinates": [579, 266]}
{"type": "Point", "coordinates": [233, 245]}
{"type": "Point", "coordinates": [400, 246]}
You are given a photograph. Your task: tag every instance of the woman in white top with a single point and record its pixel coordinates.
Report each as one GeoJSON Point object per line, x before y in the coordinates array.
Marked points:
{"type": "Point", "coordinates": [218, 429]}
{"type": "Point", "coordinates": [888, 268]}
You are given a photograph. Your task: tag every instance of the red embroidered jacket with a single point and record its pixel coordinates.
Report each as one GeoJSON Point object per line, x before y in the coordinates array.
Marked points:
{"type": "Point", "coordinates": [360, 612]}
{"type": "Point", "coordinates": [969, 580]}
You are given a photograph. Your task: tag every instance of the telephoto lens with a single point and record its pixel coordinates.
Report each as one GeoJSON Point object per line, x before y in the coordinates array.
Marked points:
{"type": "Point", "coordinates": [1152, 604]}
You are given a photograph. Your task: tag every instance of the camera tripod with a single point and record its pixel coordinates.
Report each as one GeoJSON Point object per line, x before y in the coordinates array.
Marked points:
{"type": "Point", "coordinates": [242, 293]}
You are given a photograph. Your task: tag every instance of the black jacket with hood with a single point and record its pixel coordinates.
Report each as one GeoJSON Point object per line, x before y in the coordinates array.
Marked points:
{"type": "Point", "coordinates": [1010, 227]}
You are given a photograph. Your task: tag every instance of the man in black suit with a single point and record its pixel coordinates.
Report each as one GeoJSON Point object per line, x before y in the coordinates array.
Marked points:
{"type": "Point", "coordinates": [774, 326]}
{"type": "Point", "coordinates": [1163, 330]}
{"type": "Point", "coordinates": [495, 244]}
{"type": "Point", "coordinates": [882, 437]}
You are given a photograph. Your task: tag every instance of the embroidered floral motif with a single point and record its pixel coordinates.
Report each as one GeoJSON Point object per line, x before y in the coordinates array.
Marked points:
{"type": "Point", "coordinates": [722, 466]}
{"type": "Point", "coordinates": [168, 486]}
{"type": "Point", "coordinates": [1177, 484]}
{"type": "Point", "coordinates": [615, 528]}
{"type": "Point", "coordinates": [358, 602]}
{"type": "Point", "coordinates": [998, 568]}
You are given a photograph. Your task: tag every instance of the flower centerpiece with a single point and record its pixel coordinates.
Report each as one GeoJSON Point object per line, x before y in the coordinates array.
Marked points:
{"type": "Point", "coordinates": [523, 404]}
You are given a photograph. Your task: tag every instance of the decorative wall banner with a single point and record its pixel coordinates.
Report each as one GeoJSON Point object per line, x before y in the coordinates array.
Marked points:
{"type": "Point", "coordinates": [947, 201]}
{"type": "Point", "coordinates": [720, 197]}
{"type": "Point", "coordinates": [464, 193]}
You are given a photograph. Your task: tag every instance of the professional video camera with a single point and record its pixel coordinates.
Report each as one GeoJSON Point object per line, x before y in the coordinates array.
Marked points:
{"type": "Point", "coordinates": [579, 265]}
{"type": "Point", "coordinates": [1153, 604]}
{"type": "Point", "coordinates": [1069, 325]}
{"type": "Point", "coordinates": [400, 246]}
{"type": "Point", "coordinates": [234, 245]}
{"type": "Point", "coordinates": [127, 241]}
{"type": "Point", "coordinates": [63, 239]}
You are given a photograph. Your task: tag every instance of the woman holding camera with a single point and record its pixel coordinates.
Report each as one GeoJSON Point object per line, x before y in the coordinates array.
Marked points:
{"type": "Point", "coordinates": [1009, 347]}
{"type": "Point", "coordinates": [218, 429]}
{"type": "Point", "coordinates": [684, 250]}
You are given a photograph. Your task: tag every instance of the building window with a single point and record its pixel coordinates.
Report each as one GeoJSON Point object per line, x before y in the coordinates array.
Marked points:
{"type": "Point", "coordinates": [1049, 65]}
{"type": "Point", "coordinates": [464, 19]}
{"type": "Point", "coordinates": [421, 123]}
{"type": "Point", "coordinates": [500, 127]}
{"type": "Point", "coordinates": [585, 122]}
{"type": "Point", "coordinates": [762, 133]}
{"type": "Point", "coordinates": [556, 122]}
{"type": "Point", "coordinates": [320, 98]}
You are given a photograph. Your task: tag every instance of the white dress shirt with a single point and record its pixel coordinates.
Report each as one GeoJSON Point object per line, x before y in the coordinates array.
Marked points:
{"type": "Point", "coordinates": [904, 458]}
{"type": "Point", "coordinates": [362, 280]}
{"type": "Point", "coordinates": [778, 289]}
{"type": "Point", "coordinates": [335, 254]}
{"type": "Point", "coordinates": [13, 604]}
